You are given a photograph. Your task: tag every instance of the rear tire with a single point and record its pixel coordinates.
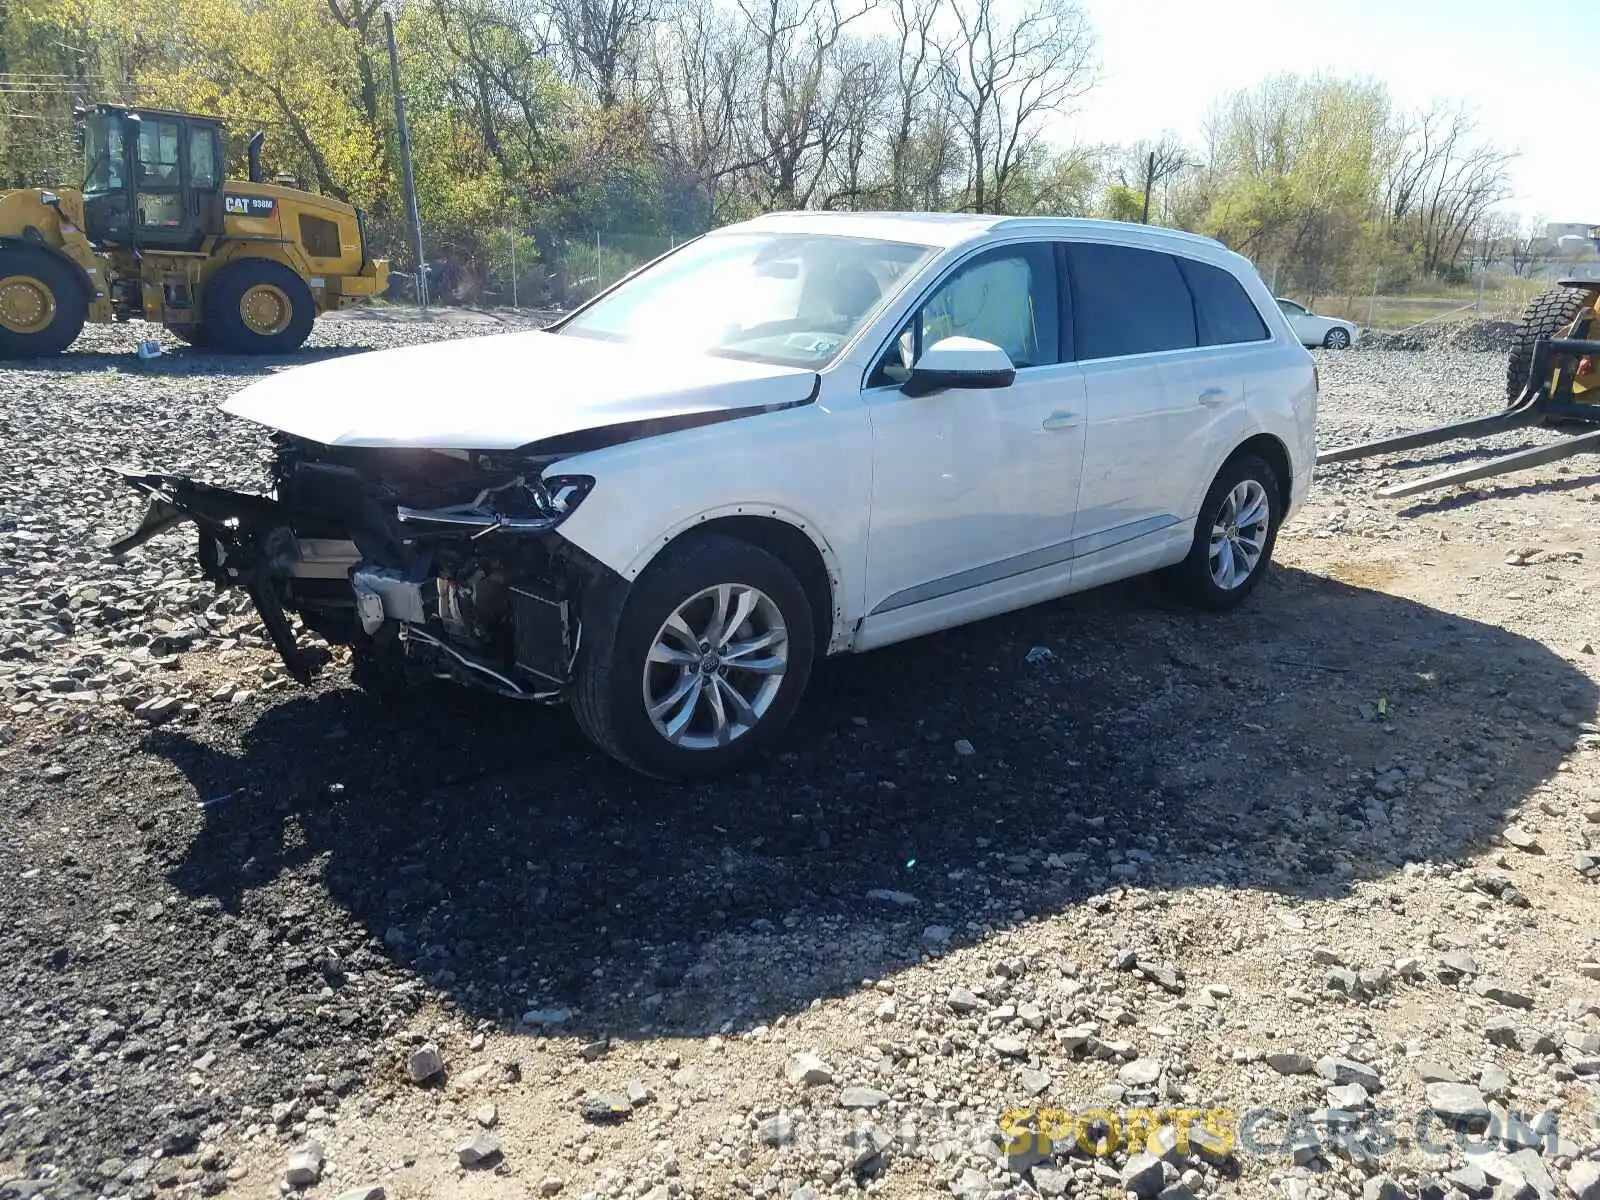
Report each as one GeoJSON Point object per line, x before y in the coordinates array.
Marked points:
{"type": "Point", "coordinates": [42, 305]}
{"type": "Point", "coordinates": [1547, 315]}
{"type": "Point", "coordinates": [257, 306]}
{"type": "Point", "coordinates": [1245, 499]}
{"type": "Point", "coordinates": [629, 652]}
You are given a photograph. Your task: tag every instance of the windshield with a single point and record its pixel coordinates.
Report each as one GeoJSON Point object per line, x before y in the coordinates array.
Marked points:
{"type": "Point", "coordinates": [789, 299]}
{"type": "Point", "coordinates": [102, 153]}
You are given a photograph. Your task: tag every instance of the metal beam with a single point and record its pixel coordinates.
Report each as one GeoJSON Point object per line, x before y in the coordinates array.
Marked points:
{"type": "Point", "coordinates": [1522, 460]}
{"type": "Point", "coordinates": [1518, 415]}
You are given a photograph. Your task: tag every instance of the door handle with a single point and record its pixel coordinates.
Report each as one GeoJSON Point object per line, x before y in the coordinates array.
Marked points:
{"type": "Point", "coordinates": [1057, 421]}
{"type": "Point", "coordinates": [1214, 397]}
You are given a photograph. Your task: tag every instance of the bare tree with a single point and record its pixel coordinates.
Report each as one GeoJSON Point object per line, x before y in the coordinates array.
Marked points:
{"type": "Point", "coordinates": [798, 100]}
{"type": "Point", "coordinates": [1003, 75]}
{"type": "Point", "coordinates": [1527, 246]}
{"type": "Point", "coordinates": [1490, 239]}
{"type": "Point", "coordinates": [502, 73]}
{"type": "Point", "coordinates": [699, 77]}
{"type": "Point", "coordinates": [918, 66]}
{"type": "Point", "coordinates": [1441, 179]}
{"type": "Point", "coordinates": [855, 144]}
{"type": "Point", "coordinates": [1147, 165]}
{"type": "Point", "coordinates": [603, 40]}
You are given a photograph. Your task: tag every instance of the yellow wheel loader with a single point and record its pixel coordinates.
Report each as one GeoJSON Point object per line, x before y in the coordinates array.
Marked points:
{"type": "Point", "coordinates": [156, 232]}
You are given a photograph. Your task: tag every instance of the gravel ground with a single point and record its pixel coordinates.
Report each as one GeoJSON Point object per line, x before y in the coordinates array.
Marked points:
{"type": "Point", "coordinates": [1323, 871]}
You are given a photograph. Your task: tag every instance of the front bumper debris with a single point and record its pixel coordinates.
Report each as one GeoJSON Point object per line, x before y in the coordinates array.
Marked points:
{"type": "Point", "coordinates": [462, 591]}
{"type": "Point", "coordinates": [243, 538]}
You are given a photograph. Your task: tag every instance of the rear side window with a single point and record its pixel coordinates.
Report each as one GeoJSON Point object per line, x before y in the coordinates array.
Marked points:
{"type": "Point", "coordinates": [320, 236]}
{"type": "Point", "coordinates": [1223, 311]}
{"type": "Point", "coordinates": [1128, 301]}
{"type": "Point", "coordinates": [203, 171]}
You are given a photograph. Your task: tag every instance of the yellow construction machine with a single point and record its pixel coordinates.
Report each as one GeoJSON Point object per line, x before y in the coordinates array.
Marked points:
{"type": "Point", "coordinates": [156, 232]}
{"type": "Point", "coordinates": [1552, 379]}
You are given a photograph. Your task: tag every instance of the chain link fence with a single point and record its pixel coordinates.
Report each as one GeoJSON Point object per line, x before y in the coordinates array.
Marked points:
{"type": "Point", "coordinates": [539, 269]}
{"type": "Point", "coordinates": [1386, 306]}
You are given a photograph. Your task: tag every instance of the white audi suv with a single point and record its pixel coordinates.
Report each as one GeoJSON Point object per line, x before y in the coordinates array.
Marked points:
{"type": "Point", "coordinates": [803, 435]}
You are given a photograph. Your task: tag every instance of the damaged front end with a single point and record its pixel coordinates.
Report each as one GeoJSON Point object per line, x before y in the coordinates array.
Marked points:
{"type": "Point", "coordinates": [447, 559]}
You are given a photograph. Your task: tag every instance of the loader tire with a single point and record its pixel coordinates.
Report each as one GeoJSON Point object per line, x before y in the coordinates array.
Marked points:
{"type": "Point", "coordinates": [1547, 315]}
{"type": "Point", "coordinates": [257, 306]}
{"type": "Point", "coordinates": [42, 305]}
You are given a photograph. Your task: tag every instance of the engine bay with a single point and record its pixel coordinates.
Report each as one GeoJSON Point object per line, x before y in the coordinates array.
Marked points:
{"type": "Point", "coordinates": [444, 559]}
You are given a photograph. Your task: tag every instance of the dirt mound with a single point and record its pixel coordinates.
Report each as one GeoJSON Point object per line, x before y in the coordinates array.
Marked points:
{"type": "Point", "coordinates": [1484, 336]}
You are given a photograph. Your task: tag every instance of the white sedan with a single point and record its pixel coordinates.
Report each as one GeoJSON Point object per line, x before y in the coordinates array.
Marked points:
{"type": "Point", "coordinates": [1314, 329]}
{"type": "Point", "coordinates": [809, 434]}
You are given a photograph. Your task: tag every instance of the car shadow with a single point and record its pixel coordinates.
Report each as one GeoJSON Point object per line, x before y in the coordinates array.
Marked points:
{"type": "Point", "coordinates": [968, 781]}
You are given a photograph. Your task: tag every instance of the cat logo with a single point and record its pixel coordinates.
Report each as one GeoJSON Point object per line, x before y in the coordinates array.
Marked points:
{"type": "Point", "coordinates": [249, 206]}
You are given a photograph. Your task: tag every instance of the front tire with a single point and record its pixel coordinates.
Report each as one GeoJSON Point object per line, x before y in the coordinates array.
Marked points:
{"type": "Point", "coordinates": [257, 306]}
{"type": "Point", "coordinates": [1233, 537]}
{"type": "Point", "coordinates": [1548, 315]}
{"type": "Point", "coordinates": [42, 306]}
{"type": "Point", "coordinates": [697, 669]}
{"type": "Point", "coordinates": [1336, 339]}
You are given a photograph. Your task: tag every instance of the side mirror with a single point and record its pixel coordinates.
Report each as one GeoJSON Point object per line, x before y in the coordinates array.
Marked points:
{"type": "Point", "coordinates": [960, 362]}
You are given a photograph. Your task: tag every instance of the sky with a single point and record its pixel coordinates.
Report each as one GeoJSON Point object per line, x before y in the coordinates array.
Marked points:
{"type": "Point", "coordinates": [1523, 65]}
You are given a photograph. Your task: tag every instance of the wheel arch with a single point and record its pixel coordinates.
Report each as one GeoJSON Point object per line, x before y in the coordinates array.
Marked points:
{"type": "Point", "coordinates": [1275, 454]}
{"type": "Point", "coordinates": [786, 536]}
{"type": "Point", "coordinates": [243, 254]}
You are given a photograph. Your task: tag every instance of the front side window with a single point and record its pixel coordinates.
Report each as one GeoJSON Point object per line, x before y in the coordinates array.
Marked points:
{"type": "Point", "coordinates": [1005, 296]}
{"type": "Point", "coordinates": [103, 154]}
{"type": "Point", "coordinates": [1128, 301]}
{"type": "Point", "coordinates": [158, 154]}
{"type": "Point", "coordinates": [787, 299]}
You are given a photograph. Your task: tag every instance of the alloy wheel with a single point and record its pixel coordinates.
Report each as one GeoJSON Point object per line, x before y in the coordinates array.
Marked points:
{"type": "Point", "coordinates": [1239, 534]}
{"type": "Point", "coordinates": [715, 666]}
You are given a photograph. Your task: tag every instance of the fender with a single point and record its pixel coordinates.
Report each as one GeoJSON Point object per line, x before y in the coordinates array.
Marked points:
{"type": "Point", "coordinates": [843, 624]}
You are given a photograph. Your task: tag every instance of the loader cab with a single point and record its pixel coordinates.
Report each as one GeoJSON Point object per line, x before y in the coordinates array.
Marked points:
{"type": "Point", "coordinates": [152, 179]}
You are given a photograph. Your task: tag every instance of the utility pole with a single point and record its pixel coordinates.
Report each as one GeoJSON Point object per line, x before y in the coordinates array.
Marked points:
{"type": "Point", "coordinates": [403, 132]}
{"type": "Point", "coordinates": [513, 264]}
{"type": "Point", "coordinates": [1149, 185]}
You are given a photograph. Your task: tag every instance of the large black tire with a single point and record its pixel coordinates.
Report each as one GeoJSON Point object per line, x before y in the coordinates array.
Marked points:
{"type": "Point", "coordinates": [42, 303]}
{"type": "Point", "coordinates": [1547, 315]}
{"type": "Point", "coordinates": [1193, 578]}
{"type": "Point", "coordinates": [224, 318]}
{"type": "Point", "coordinates": [619, 629]}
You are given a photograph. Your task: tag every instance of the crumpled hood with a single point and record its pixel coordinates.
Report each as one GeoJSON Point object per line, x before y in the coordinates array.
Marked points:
{"type": "Point", "coordinates": [503, 391]}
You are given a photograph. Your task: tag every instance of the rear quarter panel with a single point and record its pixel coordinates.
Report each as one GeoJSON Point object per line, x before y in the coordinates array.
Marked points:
{"type": "Point", "coordinates": [1280, 387]}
